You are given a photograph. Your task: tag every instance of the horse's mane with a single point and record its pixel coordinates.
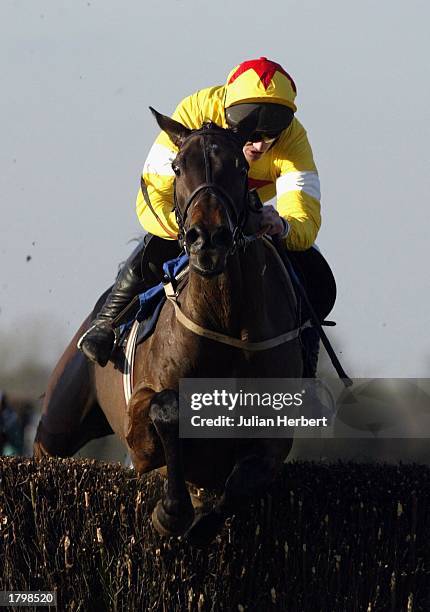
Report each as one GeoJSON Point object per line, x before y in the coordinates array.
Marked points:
{"type": "Point", "coordinates": [210, 125]}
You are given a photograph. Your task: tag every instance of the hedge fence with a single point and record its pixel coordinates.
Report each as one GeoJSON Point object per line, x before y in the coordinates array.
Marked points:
{"type": "Point", "coordinates": [339, 537]}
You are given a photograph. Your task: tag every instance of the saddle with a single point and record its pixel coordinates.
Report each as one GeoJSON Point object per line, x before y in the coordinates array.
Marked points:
{"type": "Point", "coordinates": [316, 276]}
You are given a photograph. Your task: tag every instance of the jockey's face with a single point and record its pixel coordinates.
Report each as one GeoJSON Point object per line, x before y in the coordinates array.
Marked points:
{"type": "Point", "coordinates": [253, 151]}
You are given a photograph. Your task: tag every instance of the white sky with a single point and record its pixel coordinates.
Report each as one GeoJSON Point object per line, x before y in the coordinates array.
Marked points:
{"type": "Point", "coordinates": [76, 81]}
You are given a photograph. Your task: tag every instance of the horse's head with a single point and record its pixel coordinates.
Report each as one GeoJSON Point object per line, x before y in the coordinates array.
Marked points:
{"type": "Point", "coordinates": [211, 189]}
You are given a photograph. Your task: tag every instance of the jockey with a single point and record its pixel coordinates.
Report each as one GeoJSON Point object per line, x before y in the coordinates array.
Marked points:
{"type": "Point", "coordinates": [280, 164]}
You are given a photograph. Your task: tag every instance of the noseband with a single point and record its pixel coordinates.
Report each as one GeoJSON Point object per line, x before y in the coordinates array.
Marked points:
{"type": "Point", "coordinates": [240, 219]}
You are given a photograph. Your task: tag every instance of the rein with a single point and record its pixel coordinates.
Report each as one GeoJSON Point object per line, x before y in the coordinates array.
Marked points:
{"type": "Point", "coordinates": [151, 208]}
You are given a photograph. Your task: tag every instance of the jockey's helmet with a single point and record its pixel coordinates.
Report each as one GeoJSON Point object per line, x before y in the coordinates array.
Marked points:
{"type": "Point", "coordinates": [261, 84]}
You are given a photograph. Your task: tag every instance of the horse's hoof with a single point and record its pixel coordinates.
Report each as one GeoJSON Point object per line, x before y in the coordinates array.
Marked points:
{"type": "Point", "coordinates": [169, 524]}
{"type": "Point", "coordinates": [200, 505]}
{"type": "Point", "coordinates": [200, 499]}
{"type": "Point", "coordinates": [205, 529]}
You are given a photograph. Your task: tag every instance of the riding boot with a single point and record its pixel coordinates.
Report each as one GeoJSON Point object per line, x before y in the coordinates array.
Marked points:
{"type": "Point", "coordinates": [98, 341]}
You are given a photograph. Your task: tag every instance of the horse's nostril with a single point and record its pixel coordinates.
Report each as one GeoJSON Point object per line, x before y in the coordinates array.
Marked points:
{"type": "Point", "coordinates": [192, 236]}
{"type": "Point", "coordinates": [196, 237]}
{"type": "Point", "coordinates": [222, 237]}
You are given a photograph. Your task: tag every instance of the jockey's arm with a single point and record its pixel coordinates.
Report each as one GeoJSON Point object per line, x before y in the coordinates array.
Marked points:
{"type": "Point", "coordinates": [159, 176]}
{"type": "Point", "coordinates": [298, 189]}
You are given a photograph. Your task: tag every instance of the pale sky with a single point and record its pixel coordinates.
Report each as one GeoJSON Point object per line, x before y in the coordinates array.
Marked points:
{"type": "Point", "coordinates": [76, 82]}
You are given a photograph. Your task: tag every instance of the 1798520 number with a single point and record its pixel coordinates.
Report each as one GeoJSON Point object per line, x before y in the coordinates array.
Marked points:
{"type": "Point", "coordinates": [28, 598]}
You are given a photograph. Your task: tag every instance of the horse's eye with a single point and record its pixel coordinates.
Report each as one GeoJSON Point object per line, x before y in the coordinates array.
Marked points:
{"type": "Point", "coordinates": [176, 169]}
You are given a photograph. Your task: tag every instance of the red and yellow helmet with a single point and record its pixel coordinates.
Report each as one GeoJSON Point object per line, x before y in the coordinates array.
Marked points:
{"type": "Point", "coordinates": [261, 83]}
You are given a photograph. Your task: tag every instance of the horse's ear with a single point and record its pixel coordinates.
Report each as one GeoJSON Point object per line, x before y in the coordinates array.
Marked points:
{"type": "Point", "coordinates": [245, 128]}
{"type": "Point", "coordinates": [175, 130]}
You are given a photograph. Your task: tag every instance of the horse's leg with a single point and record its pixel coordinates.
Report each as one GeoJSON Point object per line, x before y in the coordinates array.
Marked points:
{"type": "Point", "coordinates": [174, 513]}
{"type": "Point", "coordinates": [250, 479]}
{"type": "Point", "coordinates": [71, 416]}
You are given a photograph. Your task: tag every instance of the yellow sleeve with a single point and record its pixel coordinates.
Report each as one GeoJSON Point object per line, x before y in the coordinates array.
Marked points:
{"type": "Point", "coordinates": [159, 176]}
{"type": "Point", "coordinates": [298, 188]}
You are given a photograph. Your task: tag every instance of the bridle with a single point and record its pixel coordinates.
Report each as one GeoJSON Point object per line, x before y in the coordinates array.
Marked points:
{"type": "Point", "coordinates": [209, 186]}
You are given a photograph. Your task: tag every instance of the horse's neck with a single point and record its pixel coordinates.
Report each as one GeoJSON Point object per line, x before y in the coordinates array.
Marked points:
{"type": "Point", "coordinates": [234, 300]}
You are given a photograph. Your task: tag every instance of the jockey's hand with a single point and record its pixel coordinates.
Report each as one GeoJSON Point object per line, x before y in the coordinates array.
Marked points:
{"type": "Point", "coordinates": [271, 223]}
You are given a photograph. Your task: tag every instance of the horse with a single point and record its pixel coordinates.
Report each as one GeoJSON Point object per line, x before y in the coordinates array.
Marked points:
{"type": "Point", "coordinates": [237, 288]}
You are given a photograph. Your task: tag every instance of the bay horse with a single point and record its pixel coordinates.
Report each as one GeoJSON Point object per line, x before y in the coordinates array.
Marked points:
{"type": "Point", "coordinates": [237, 288]}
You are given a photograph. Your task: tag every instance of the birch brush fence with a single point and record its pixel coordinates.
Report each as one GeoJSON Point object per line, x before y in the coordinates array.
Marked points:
{"type": "Point", "coordinates": [335, 537]}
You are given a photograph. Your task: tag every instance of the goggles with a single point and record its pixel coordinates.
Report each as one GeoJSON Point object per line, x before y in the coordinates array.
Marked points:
{"type": "Point", "coordinates": [266, 137]}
